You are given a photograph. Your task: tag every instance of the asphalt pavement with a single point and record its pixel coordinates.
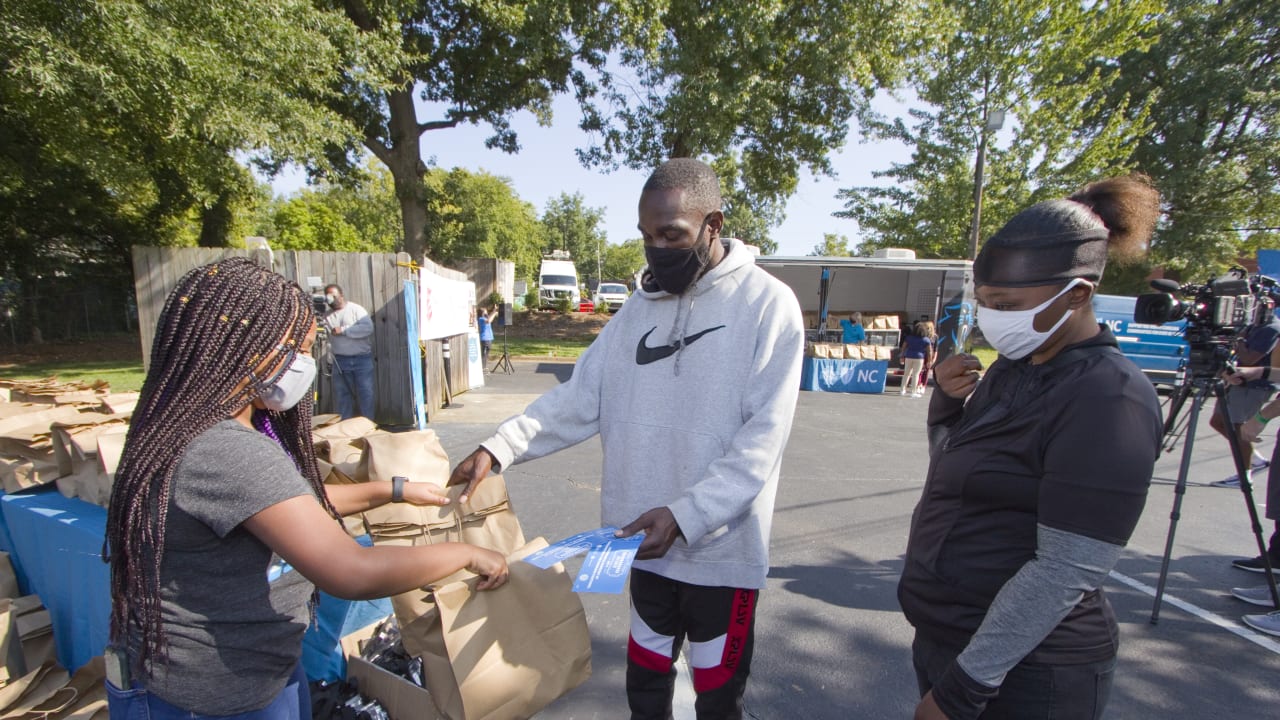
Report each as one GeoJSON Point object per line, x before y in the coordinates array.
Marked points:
{"type": "Point", "coordinates": [831, 641]}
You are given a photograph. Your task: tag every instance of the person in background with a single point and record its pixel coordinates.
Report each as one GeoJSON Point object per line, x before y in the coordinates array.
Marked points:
{"type": "Point", "coordinates": [692, 387]}
{"type": "Point", "coordinates": [484, 321]}
{"type": "Point", "coordinates": [932, 334]}
{"type": "Point", "coordinates": [916, 350]}
{"type": "Point", "coordinates": [1038, 474]}
{"type": "Point", "coordinates": [1269, 622]}
{"type": "Point", "coordinates": [351, 340]}
{"type": "Point", "coordinates": [852, 330]}
{"type": "Point", "coordinates": [218, 486]}
{"type": "Point", "coordinates": [1245, 398]}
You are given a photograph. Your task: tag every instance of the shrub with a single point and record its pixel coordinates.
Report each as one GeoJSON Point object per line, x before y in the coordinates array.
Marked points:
{"type": "Point", "coordinates": [565, 305]}
{"type": "Point", "coordinates": [532, 301]}
{"type": "Point", "coordinates": [496, 299]}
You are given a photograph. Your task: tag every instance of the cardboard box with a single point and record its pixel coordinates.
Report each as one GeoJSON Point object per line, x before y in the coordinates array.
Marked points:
{"type": "Point", "coordinates": [402, 699]}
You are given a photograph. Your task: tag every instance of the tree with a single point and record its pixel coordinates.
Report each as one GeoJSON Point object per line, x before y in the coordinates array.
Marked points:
{"type": "Point", "coordinates": [1214, 111]}
{"type": "Point", "coordinates": [471, 62]}
{"type": "Point", "coordinates": [622, 262]}
{"type": "Point", "coordinates": [568, 224]}
{"type": "Point", "coordinates": [773, 83]}
{"type": "Point", "coordinates": [1029, 60]}
{"type": "Point", "coordinates": [178, 89]}
{"type": "Point", "coordinates": [747, 216]}
{"type": "Point", "coordinates": [479, 215]}
{"type": "Point", "coordinates": [832, 245]}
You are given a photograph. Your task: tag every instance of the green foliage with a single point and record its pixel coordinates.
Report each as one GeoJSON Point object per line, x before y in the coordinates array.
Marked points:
{"type": "Point", "coordinates": [1030, 60]}
{"type": "Point", "coordinates": [621, 262]}
{"type": "Point", "coordinates": [495, 299]}
{"type": "Point", "coordinates": [479, 215]}
{"type": "Point", "coordinates": [747, 216]}
{"type": "Point", "coordinates": [150, 100]}
{"type": "Point", "coordinates": [469, 62]}
{"type": "Point", "coordinates": [832, 245]}
{"type": "Point", "coordinates": [532, 300]}
{"type": "Point", "coordinates": [775, 82]}
{"type": "Point", "coordinates": [568, 224]}
{"type": "Point", "coordinates": [564, 305]}
{"type": "Point", "coordinates": [1213, 104]}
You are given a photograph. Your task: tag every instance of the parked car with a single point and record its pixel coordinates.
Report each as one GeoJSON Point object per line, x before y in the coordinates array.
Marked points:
{"type": "Point", "coordinates": [610, 295]}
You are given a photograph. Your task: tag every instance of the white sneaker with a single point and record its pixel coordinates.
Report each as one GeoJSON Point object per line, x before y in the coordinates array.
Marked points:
{"type": "Point", "coordinates": [919, 393]}
{"type": "Point", "coordinates": [1234, 481]}
{"type": "Point", "coordinates": [1257, 595]}
{"type": "Point", "coordinates": [1268, 623]}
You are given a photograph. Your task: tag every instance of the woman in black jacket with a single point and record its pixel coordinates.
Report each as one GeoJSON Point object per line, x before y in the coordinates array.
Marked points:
{"type": "Point", "coordinates": [1038, 474]}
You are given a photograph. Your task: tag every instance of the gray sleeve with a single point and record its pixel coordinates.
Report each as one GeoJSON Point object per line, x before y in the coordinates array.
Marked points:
{"type": "Point", "coordinates": [228, 475]}
{"type": "Point", "coordinates": [363, 325]}
{"type": "Point", "coordinates": [1034, 601]}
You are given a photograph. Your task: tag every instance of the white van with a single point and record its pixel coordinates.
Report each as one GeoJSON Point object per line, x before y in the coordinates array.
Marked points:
{"type": "Point", "coordinates": [557, 279]}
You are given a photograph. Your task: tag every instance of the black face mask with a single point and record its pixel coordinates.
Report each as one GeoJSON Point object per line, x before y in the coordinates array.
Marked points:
{"type": "Point", "coordinates": [675, 269]}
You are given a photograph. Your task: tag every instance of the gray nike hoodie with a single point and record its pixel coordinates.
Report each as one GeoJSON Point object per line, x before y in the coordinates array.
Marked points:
{"type": "Point", "coordinates": [697, 425]}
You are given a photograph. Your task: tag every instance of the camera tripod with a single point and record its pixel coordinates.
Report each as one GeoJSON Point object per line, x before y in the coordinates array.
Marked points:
{"type": "Point", "coordinates": [1197, 390]}
{"type": "Point", "coordinates": [504, 362]}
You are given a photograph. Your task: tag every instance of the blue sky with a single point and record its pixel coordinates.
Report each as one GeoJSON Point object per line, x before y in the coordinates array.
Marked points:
{"type": "Point", "coordinates": [546, 166]}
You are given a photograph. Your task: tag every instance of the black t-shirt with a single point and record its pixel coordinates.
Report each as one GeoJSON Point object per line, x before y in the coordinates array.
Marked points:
{"type": "Point", "coordinates": [1069, 444]}
{"type": "Point", "coordinates": [233, 635]}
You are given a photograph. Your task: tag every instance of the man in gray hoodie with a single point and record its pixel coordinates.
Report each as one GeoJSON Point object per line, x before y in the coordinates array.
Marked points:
{"type": "Point", "coordinates": [692, 387]}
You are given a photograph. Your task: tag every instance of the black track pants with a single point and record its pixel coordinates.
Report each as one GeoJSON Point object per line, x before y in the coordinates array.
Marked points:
{"type": "Point", "coordinates": [719, 623]}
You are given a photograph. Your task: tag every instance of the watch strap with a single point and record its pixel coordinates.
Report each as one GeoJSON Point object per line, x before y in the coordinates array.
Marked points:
{"type": "Point", "coordinates": [397, 488]}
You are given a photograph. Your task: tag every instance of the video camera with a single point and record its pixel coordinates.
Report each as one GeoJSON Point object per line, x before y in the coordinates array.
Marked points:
{"type": "Point", "coordinates": [320, 304]}
{"type": "Point", "coordinates": [1216, 312]}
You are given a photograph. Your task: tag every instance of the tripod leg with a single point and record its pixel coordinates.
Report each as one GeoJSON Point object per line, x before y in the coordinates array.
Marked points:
{"type": "Point", "coordinates": [1246, 487]}
{"type": "Point", "coordinates": [1179, 490]}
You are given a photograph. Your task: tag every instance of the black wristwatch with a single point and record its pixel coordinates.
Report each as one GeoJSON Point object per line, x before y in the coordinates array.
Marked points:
{"type": "Point", "coordinates": [397, 488]}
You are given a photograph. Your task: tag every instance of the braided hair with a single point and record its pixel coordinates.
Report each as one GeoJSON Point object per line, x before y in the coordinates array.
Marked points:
{"type": "Point", "coordinates": [220, 324]}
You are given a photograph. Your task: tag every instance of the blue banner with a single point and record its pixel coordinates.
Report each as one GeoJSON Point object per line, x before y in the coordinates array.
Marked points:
{"type": "Point", "coordinates": [848, 376]}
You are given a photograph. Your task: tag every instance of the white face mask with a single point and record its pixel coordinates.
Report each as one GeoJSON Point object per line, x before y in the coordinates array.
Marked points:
{"type": "Point", "coordinates": [1012, 332]}
{"type": "Point", "coordinates": [292, 385]}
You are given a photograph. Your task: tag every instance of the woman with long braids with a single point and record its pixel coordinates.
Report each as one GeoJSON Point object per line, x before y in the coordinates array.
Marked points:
{"type": "Point", "coordinates": [218, 481]}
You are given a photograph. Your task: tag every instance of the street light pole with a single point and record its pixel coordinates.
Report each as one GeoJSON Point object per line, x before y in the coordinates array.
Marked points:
{"type": "Point", "coordinates": [991, 122]}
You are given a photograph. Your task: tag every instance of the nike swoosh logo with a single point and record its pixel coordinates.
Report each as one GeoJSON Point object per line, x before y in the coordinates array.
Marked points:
{"type": "Point", "coordinates": [646, 354]}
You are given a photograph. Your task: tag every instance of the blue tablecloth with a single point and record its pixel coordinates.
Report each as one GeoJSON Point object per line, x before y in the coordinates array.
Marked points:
{"type": "Point", "coordinates": [55, 544]}
{"type": "Point", "coordinates": [848, 376]}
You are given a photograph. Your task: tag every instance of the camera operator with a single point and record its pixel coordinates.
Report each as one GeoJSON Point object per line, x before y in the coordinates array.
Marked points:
{"type": "Point", "coordinates": [351, 339]}
{"type": "Point", "coordinates": [1244, 399]}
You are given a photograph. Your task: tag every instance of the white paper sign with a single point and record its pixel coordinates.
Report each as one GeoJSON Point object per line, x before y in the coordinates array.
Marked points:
{"type": "Point", "coordinates": [445, 307]}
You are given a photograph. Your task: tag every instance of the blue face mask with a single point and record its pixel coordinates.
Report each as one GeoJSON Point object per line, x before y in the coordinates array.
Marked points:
{"type": "Point", "coordinates": [292, 385]}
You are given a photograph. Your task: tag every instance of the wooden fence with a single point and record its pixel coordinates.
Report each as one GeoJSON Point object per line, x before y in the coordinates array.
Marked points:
{"type": "Point", "coordinates": [374, 281]}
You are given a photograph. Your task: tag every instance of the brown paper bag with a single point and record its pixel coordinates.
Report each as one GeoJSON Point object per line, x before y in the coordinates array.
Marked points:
{"type": "Point", "coordinates": [416, 455]}
{"type": "Point", "coordinates": [8, 578]}
{"type": "Point", "coordinates": [36, 687]}
{"type": "Point", "coordinates": [502, 654]}
{"type": "Point", "coordinates": [83, 697]}
{"type": "Point", "coordinates": [486, 519]}
{"type": "Point", "coordinates": [15, 664]}
{"type": "Point", "coordinates": [334, 440]}
{"type": "Point", "coordinates": [75, 442]}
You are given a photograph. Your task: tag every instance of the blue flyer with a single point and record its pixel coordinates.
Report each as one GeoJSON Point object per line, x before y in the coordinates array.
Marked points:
{"type": "Point", "coordinates": [606, 567]}
{"type": "Point", "coordinates": [571, 546]}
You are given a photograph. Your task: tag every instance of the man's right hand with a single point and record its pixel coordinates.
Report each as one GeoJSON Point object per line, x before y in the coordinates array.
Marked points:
{"type": "Point", "coordinates": [957, 376]}
{"type": "Point", "coordinates": [474, 468]}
